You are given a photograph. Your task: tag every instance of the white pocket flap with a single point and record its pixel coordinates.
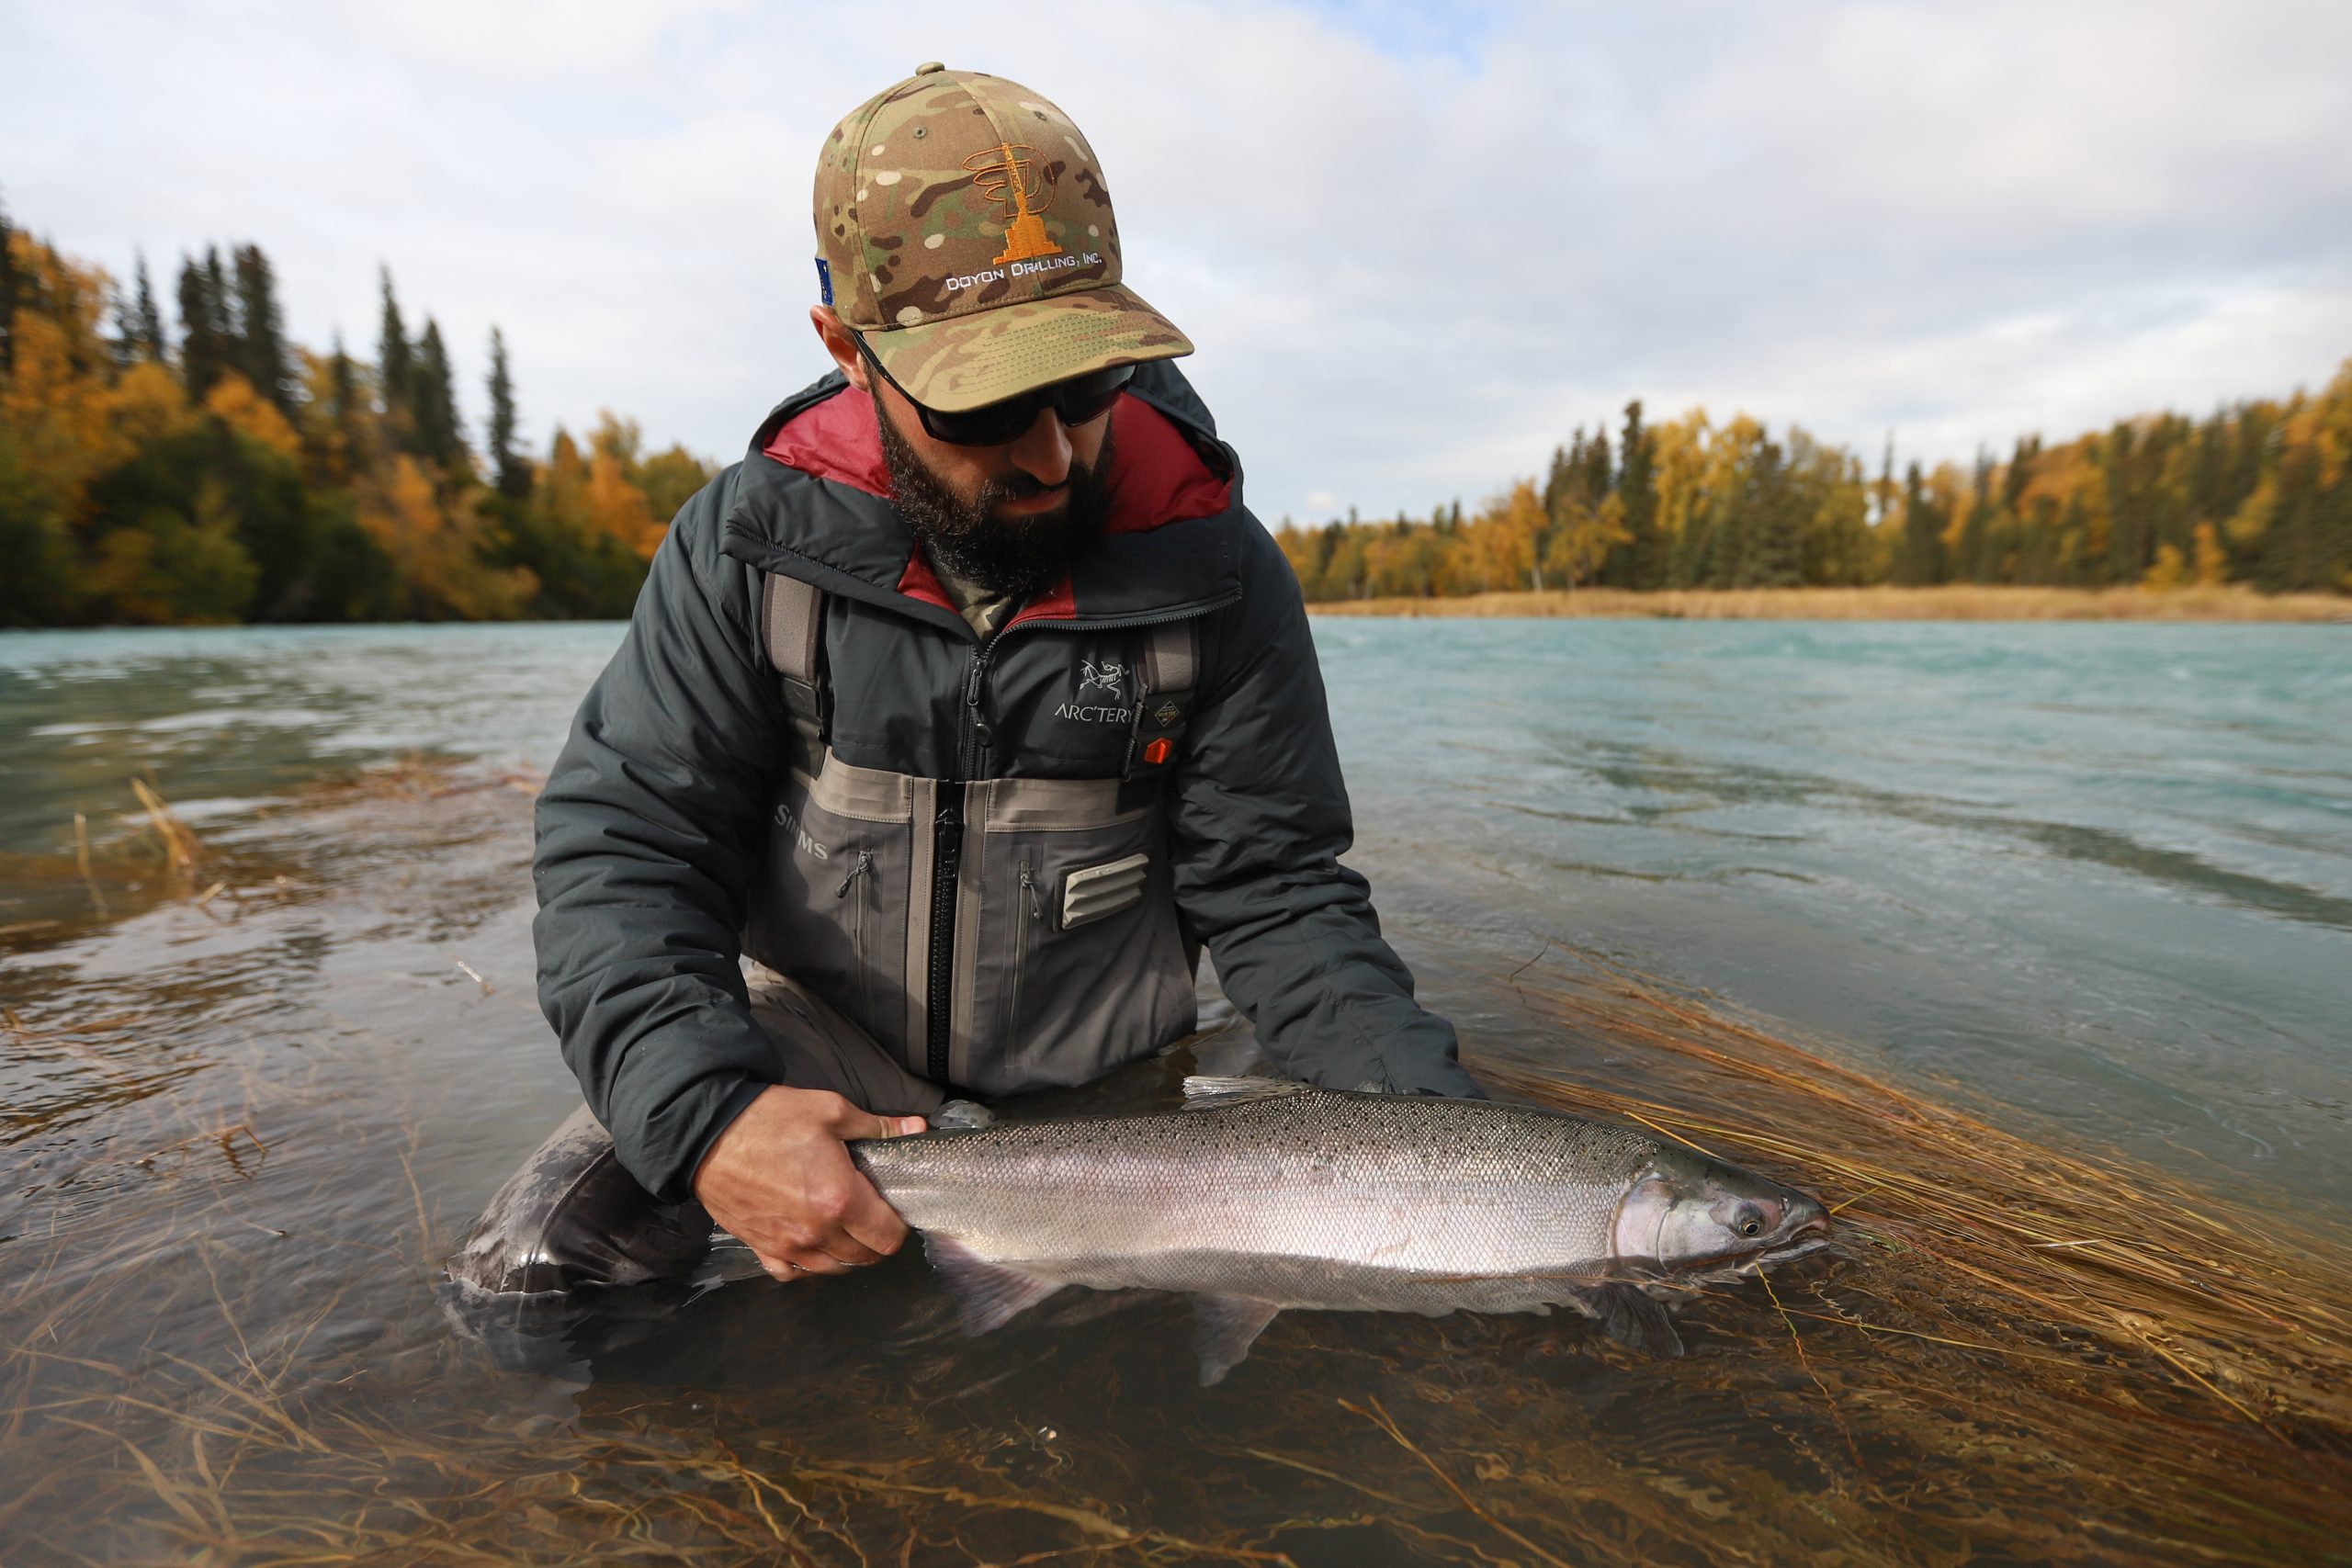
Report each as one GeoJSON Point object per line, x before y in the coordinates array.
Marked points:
{"type": "Point", "coordinates": [1099, 890]}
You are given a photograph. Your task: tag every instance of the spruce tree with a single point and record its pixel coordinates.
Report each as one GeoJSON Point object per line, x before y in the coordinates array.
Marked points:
{"type": "Point", "coordinates": [395, 367]}
{"type": "Point", "coordinates": [148, 320]}
{"type": "Point", "coordinates": [204, 345]}
{"type": "Point", "coordinates": [1918, 554]}
{"type": "Point", "coordinates": [1637, 493]}
{"type": "Point", "coordinates": [1772, 546]}
{"type": "Point", "coordinates": [342, 423]}
{"type": "Point", "coordinates": [509, 470]}
{"type": "Point", "coordinates": [433, 401]}
{"type": "Point", "coordinates": [261, 355]}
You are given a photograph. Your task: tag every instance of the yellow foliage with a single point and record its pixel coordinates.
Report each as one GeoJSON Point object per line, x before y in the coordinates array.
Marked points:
{"type": "Point", "coordinates": [234, 403]}
{"type": "Point", "coordinates": [149, 405]}
{"type": "Point", "coordinates": [434, 543]}
{"type": "Point", "coordinates": [2212, 560]}
{"type": "Point", "coordinates": [59, 413]}
{"type": "Point", "coordinates": [1585, 537]}
{"type": "Point", "coordinates": [2170, 571]}
{"type": "Point", "coordinates": [617, 508]}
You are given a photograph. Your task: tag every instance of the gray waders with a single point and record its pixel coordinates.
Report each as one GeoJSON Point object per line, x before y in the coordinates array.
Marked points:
{"type": "Point", "coordinates": [907, 937]}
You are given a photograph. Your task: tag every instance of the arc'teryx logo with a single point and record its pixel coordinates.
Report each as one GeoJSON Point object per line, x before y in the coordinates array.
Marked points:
{"type": "Point", "coordinates": [1106, 679]}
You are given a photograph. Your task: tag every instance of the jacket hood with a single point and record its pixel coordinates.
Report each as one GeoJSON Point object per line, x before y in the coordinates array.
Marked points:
{"type": "Point", "coordinates": [815, 503]}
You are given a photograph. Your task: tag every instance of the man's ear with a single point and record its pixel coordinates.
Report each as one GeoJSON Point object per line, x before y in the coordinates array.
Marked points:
{"type": "Point", "coordinates": [841, 343]}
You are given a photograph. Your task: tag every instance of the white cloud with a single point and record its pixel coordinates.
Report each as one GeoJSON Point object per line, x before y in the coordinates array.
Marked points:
{"type": "Point", "coordinates": [1415, 251]}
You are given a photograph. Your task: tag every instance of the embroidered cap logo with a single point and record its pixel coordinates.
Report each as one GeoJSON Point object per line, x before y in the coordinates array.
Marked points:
{"type": "Point", "coordinates": [1003, 174]}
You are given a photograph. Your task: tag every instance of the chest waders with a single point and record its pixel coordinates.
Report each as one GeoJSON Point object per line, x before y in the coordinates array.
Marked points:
{"type": "Point", "coordinates": [993, 935]}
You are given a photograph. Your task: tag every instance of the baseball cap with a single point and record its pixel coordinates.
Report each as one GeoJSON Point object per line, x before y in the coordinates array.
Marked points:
{"type": "Point", "coordinates": [965, 230]}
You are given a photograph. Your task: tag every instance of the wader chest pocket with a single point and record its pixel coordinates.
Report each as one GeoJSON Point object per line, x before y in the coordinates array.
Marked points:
{"type": "Point", "coordinates": [1094, 891]}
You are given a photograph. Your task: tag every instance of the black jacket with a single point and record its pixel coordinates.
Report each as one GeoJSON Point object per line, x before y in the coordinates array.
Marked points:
{"type": "Point", "coordinates": [656, 815]}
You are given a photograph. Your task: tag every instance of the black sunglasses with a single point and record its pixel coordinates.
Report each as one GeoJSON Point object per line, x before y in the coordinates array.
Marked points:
{"type": "Point", "coordinates": [1076, 400]}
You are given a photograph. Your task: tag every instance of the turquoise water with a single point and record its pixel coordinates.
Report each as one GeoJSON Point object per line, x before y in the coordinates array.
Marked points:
{"type": "Point", "coordinates": [2104, 871]}
{"type": "Point", "coordinates": [2094, 880]}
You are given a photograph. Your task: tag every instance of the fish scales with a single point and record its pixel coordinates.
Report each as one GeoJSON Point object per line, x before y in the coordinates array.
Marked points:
{"type": "Point", "coordinates": [1263, 1197]}
{"type": "Point", "coordinates": [1374, 1180]}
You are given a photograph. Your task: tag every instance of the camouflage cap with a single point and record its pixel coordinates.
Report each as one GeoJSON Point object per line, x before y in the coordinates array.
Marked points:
{"type": "Point", "coordinates": [963, 228]}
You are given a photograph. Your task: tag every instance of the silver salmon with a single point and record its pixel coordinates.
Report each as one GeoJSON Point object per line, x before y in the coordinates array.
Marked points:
{"type": "Point", "coordinates": [1263, 1197]}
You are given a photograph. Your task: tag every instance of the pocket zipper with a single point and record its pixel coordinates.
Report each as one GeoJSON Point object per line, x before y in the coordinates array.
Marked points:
{"type": "Point", "coordinates": [863, 866]}
{"type": "Point", "coordinates": [1021, 950]}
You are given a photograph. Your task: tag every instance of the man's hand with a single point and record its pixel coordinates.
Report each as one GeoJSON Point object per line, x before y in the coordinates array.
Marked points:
{"type": "Point", "coordinates": [779, 1181]}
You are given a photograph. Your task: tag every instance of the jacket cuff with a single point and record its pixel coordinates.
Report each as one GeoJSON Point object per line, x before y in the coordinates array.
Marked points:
{"type": "Point", "coordinates": [665, 1148]}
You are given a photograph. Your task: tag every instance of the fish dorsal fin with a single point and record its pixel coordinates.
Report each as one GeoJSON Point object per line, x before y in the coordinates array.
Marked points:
{"type": "Point", "coordinates": [959, 1116]}
{"type": "Point", "coordinates": [1224, 1327]}
{"type": "Point", "coordinates": [988, 1294]}
{"type": "Point", "coordinates": [1200, 1093]}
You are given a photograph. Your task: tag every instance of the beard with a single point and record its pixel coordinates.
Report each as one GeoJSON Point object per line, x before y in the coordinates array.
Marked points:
{"type": "Point", "coordinates": [1020, 556]}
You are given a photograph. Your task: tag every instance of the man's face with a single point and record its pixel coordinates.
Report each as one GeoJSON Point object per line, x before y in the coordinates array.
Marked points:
{"type": "Point", "coordinates": [1008, 517]}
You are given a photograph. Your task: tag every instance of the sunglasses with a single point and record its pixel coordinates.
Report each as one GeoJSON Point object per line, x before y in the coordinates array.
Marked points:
{"type": "Point", "coordinates": [1076, 400]}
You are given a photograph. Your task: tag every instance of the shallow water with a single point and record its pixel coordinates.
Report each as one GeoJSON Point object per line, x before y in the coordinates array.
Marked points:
{"type": "Point", "coordinates": [2094, 880]}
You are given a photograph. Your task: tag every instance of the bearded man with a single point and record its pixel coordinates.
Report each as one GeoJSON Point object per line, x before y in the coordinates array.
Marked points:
{"type": "Point", "coordinates": [950, 725]}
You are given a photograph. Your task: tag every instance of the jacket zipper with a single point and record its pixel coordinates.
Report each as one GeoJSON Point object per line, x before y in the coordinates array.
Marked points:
{"type": "Point", "coordinates": [946, 862]}
{"type": "Point", "coordinates": [947, 824]}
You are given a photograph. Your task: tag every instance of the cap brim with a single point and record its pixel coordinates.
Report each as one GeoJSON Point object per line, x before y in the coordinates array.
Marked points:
{"type": "Point", "coordinates": [968, 362]}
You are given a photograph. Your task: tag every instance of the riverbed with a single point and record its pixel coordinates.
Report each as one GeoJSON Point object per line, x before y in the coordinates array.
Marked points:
{"type": "Point", "coordinates": [271, 1041]}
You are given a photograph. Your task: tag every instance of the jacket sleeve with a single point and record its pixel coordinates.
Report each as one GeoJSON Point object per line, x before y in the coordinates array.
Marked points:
{"type": "Point", "coordinates": [1260, 819]}
{"type": "Point", "coordinates": [646, 834]}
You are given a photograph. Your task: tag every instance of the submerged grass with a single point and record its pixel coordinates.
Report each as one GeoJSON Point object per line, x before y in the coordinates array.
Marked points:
{"type": "Point", "coordinates": [2020, 1351]}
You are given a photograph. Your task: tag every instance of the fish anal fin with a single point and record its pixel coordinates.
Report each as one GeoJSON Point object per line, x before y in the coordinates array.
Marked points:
{"type": "Point", "coordinates": [1632, 1318]}
{"type": "Point", "coordinates": [988, 1295]}
{"type": "Point", "coordinates": [1224, 1327]}
{"type": "Point", "coordinates": [1201, 1091]}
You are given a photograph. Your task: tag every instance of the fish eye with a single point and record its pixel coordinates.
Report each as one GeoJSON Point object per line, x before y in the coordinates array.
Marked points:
{"type": "Point", "coordinates": [1749, 1220]}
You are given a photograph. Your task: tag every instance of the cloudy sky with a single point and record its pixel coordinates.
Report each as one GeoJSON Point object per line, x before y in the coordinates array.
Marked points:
{"type": "Point", "coordinates": [1415, 243]}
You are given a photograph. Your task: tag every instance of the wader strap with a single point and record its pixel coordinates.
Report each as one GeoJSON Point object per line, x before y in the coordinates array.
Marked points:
{"type": "Point", "coordinates": [792, 619]}
{"type": "Point", "coordinates": [1172, 667]}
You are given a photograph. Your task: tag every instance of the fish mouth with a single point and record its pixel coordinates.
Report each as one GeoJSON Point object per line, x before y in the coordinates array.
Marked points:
{"type": "Point", "coordinates": [1809, 1236]}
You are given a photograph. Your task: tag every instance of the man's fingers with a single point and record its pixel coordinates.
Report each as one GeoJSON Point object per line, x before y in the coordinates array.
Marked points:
{"type": "Point", "coordinates": [801, 1263]}
{"type": "Point", "coordinates": [852, 1123]}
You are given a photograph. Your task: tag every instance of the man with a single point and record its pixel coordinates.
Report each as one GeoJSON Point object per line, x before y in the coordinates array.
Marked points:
{"type": "Point", "coordinates": [965, 708]}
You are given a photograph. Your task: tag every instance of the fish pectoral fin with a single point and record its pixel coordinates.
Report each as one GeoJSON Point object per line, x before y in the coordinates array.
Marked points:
{"type": "Point", "coordinates": [988, 1295]}
{"type": "Point", "coordinates": [1629, 1316]}
{"type": "Point", "coordinates": [1224, 1327]}
{"type": "Point", "coordinates": [1200, 1093]}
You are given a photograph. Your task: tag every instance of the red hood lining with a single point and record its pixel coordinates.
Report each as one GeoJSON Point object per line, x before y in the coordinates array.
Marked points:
{"type": "Point", "coordinates": [1156, 477]}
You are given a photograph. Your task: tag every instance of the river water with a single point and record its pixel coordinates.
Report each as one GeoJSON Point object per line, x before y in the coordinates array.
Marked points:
{"type": "Point", "coordinates": [2093, 881]}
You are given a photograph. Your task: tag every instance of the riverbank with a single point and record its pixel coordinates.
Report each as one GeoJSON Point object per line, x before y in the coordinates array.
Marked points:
{"type": "Point", "coordinates": [1966, 602]}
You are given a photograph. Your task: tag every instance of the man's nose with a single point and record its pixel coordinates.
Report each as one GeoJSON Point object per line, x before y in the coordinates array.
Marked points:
{"type": "Point", "coordinates": [1043, 451]}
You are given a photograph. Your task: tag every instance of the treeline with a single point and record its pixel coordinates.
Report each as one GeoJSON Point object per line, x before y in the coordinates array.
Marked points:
{"type": "Point", "coordinates": [2258, 493]}
{"type": "Point", "coordinates": [223, 473]}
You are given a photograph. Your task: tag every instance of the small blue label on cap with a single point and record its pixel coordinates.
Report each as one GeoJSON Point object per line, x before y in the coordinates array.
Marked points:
{"type": "Point", "coordinates": [824, 281]}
